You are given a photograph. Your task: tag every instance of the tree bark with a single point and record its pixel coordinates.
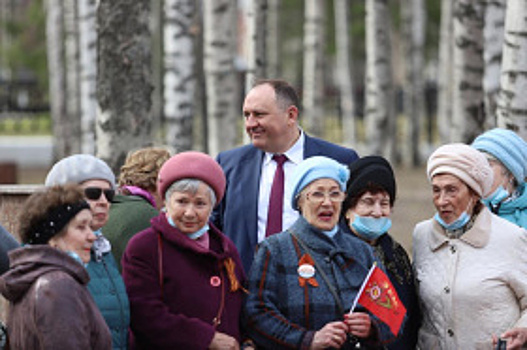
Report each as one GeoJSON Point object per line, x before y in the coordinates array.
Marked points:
{"type": "Point", "coordinates": [493, 33]}
{"type": "Point", "coordinates": [255, 42]}
{"type": "Point", "coordinates": [88, 73]}
{"type": "Point", "coordinates": [57, 79]}
{"type": "Point", "coordinates": [468, 117]}
{"type": "Point", "coordinates": [273, 39]}
{"type": "Point", "coordinates": [343, 73]}
{"type": "Point", "coordinates": [180, 77]}
{"type": "Point", "coordinates": [220, 77]}
{"type": "Point", "coordinates": [124, 82]}
{"type": "Point", "coordinates": [445, 78]}
{"type": "Point", "coordinates": [413, 21]}
{"type": "Point", "coordinates": [71, 45]}
{"type": "Point", "coordinates": [512, 101]}
{"type": "Point", "coordinates": [313, 91]}
{"type": "Point", "coordinates": [379, 114]}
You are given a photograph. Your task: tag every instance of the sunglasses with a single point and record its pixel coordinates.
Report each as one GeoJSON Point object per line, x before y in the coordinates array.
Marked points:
{"type": "Point", "coordinates": [94, 193]}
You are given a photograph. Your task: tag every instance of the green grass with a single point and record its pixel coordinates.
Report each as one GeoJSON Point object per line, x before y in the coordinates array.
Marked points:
{"type": "Point", "coordinates": [39, 124]}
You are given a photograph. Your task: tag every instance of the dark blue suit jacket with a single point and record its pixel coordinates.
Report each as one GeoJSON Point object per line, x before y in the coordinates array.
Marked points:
{"type": "Point", "coordinates": [237, 214]}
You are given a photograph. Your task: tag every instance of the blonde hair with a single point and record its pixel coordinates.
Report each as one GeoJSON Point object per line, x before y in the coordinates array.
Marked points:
{"type": "Point", "coordinates": [142, 166]}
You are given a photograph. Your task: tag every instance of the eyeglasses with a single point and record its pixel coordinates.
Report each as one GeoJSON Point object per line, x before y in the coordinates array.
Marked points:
{"type": "Point", "coordinates": [319, 196]}
{"type": "Point", "coordinates": [94, 193]}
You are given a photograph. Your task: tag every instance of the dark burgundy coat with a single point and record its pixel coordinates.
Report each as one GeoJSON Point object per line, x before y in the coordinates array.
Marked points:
{"type": "Point", "coordinates": [180, 314]}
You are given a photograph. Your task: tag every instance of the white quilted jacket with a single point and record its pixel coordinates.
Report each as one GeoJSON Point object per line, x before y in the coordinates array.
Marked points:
{"type": "Point", "coordinates": [470, 287]}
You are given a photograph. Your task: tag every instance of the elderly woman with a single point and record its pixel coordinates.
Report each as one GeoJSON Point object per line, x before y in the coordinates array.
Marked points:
{"type": "Point", "coordinates": [304, 280]}
{"type": "Point", "coordinates": [106, 285]}
{"type": "Point", "coordinates": [137, 201]}
{"type": "Point", "coordinates": [507, 156]}
{"type": "Point", "coordinates": [50, 307]}
{"type": "Point", "coordinates": [470, 265]}
{"type": "Point", "coordinates": [183, 276]}
{"type": "Point", "coordinates": [367, 209]}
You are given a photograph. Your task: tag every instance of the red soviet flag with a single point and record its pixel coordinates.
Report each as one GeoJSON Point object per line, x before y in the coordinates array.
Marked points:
{"type": "Point", "coordinates": [378, 295]}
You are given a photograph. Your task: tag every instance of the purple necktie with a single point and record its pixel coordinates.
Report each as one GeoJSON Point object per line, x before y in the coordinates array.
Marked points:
{"type": "Point", "coordinates": [276, 199]}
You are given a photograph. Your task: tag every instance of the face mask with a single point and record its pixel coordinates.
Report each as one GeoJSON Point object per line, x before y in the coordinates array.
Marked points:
{"type": "Point", "coordinates": [76, 257]}
{"type": "Point", "coordinates": [194, 235]}
{"type": "Point", "coordinates": [496, 197]}
{"type": "Point", "coordinates": [460, 222]}
{"type": "Point", "coordinates": [371, 228]}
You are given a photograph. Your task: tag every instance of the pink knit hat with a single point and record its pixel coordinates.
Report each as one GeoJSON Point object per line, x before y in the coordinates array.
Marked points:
{"type": "Point", "coordinates": [192, 165]}
{"type": "Point", "coordinates": [464, 162]}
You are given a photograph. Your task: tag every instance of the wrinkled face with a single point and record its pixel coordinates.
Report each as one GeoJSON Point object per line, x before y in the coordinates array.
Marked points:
{"type": "Point", "coordinates": [320, 203]}
{"type": "Point", "coordinates": [100, 207]}
{"type": "Point", "coordinates": [271, 127]}
{"type": "Point", "coordinates": [501, 176]}
{"type": "Point", "coordinates": [373, 205]}
{"type": "Point", "coordinates": [190, 212]}
{"type": "Point", "coordinates": [78, 236]}
{"type": "Point", "coordinates": [452, 196]}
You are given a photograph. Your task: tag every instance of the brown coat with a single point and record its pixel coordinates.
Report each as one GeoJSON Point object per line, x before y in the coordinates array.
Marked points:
{"type": "Point", "coordinates": [50, 307]}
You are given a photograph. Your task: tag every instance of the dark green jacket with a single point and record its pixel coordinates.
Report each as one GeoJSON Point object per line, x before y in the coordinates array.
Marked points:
{"type": "Point", "coordinates": [128, 216]}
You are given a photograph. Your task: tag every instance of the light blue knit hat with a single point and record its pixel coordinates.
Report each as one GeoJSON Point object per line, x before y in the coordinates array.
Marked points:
{"type": "Point", "coordinates": [315, 168]}
{"type": "Point", "coordinates": [508, 147]}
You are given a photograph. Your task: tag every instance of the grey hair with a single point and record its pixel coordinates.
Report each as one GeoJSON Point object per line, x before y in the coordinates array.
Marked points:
{"type": "Point", "coordinates": [190, 186]}
{"type": "Point", "coordinates": [504, 171]}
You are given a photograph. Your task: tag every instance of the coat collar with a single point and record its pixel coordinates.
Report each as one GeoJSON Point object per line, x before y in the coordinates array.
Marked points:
{"type": "Point", "coordinates": [478, 236]}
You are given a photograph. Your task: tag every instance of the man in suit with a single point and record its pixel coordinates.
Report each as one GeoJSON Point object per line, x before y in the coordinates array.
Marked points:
{"type": "Point", "coordinates": [271, 113]}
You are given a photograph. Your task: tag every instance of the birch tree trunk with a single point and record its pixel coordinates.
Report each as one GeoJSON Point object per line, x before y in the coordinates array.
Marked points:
{"type": "Point", "coordinates": [313, 91]}
{"type": "Point", "coordinates": [512, 101]}
{"type": "Point", "coordinates": [57, 79]}
{"type": "Point", "coordinates": [71, 45]}
{"type": "Point", "coordinates": [273, 39]}
{"type": "Point", "coordinates": [255, 42]}
{"type": "Point", "coordinates": [413, 21]}
{"type": "Point", "coordinates": [88, 73]}
{"type": "Point", "coordinates": [493, 33]}
{"type": "Point", "coordinates": [468, 117]}
{"type": "Point", "coordinates": [157, 17]}
{"type": "Point", "coordinates": [343, 73]}
{"type": "Point", "coordinates": [124, 79]}
{"type": "Point", "coordinates": [180, 77]}
{"type": "Point", "coordinates": [220, 77]}
{"type": "Point", "coordinates": [379, 113]}
{"type": "Point", "coordinates": [445, 77]}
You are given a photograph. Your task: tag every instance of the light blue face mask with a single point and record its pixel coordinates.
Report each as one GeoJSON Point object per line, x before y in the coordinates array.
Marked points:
{"type": "Point", "coordinates": [371, 228]}
{"type": "Point", "coordinates": [76, 257]}
{"type": "Point", "coordinates": [194, 235]}
{"type": "Point", "coordinates": [496, 197]}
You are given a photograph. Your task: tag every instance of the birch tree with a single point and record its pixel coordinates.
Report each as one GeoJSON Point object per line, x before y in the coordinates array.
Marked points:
{"type": "Point", "coordinates": [379, 113]}
{"type": "Point", "coordinates": [413, 21]}
{"type": "Point", "coordinates": [72, 69]}
{"type": "Point", "coordinates": [219, 20]}
{"type": "Point", "coordinates": [313, 89]}
{"type": "Point", "coordinates": [343, 71]}
{"type": "Point", "coordinates": [468, 117]}
{"type": "Point", "coordinates": [124, 79]}
{"type": "Point", "coordinates": [87, 18]}
{"type": "Point", "coordinates": [493, 32]}
{"type": "Point", "coordinates": [180, 78]}
{"type": "Point", "coordinates": [273, 39]}
{"type": "Point", "coordinates": [512, 101]}
{"type": "Point", "coordinates": [255, 42]}
{"type": "Point", "coordinates": [57, 79]}
{"type": "Point", "coordinates": [445, 76]}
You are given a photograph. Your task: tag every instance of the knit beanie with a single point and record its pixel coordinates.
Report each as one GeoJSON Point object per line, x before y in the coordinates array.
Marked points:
{"type": "Point", "coordinates": [315, 168]}
{"type": "Point", "coordinates": [464, 162]}
{"type": "Point", "coordinates": [370, 170]}
{"type": "Point", "coordinates": [79, 168]}
{"type": "Point", "coordinates": [506, 146]}
{"type": "Point", "coordinates": [192, 165]}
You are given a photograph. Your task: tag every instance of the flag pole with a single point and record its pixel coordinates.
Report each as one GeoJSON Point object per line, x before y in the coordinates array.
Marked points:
{"type": "Point", "coordinates": [363, 286]}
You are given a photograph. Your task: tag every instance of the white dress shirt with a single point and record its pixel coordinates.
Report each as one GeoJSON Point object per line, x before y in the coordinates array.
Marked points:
{"type": "Point", "coordinates": [294, 156]}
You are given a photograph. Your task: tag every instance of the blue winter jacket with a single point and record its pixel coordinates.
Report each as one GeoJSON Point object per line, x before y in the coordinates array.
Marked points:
{"type": "Point", "coordinates": [515, 210]}
{"type": "Point", "coordinates": [107, 289]}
